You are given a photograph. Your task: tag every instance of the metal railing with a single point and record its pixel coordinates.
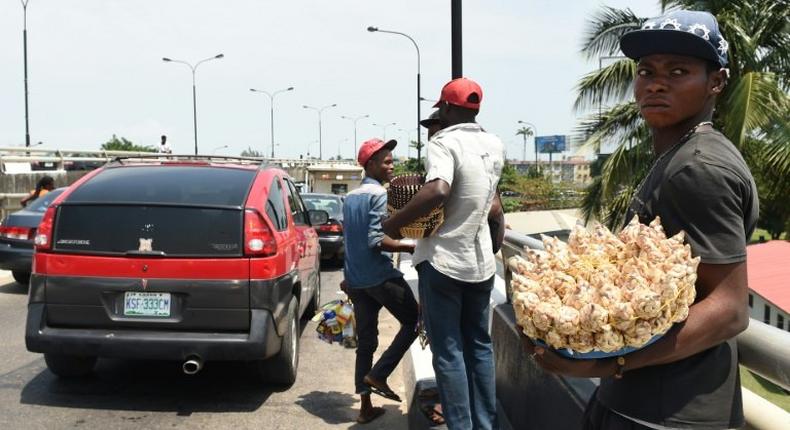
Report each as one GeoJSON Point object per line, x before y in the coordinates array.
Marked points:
{"type": "Point", "coordinates": [60, 158]}
{"type": "Point", "coordinates": [763, 349]}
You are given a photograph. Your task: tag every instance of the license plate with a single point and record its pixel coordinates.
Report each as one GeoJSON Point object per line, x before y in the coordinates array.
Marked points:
{"type": "Point", "coordinates": [146, 304]}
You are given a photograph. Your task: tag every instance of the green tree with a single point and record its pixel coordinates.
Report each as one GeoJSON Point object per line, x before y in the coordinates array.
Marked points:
{"type": "Point", "coordinates": [751, 112]}
{"type": "Point", "coordinates": [124, 144]}
{"type": "Point", "coordinates": [249, 152]}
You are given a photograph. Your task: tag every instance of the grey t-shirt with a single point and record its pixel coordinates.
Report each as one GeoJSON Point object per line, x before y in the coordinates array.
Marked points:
{"type": "Point", "coordinates": [705, 189]}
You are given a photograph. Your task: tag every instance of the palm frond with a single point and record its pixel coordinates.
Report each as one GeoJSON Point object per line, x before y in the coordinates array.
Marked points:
{"type": "Point", "coordinates": [611, 83]}
{"type": "Point", "coordinates": [602, 36]}
{"type": "Point", "coordinates": [593, 204]}
{"type": "Point", "coordinates": [754, 102]}
{"type": "Point", "coordinates": [613, 124]}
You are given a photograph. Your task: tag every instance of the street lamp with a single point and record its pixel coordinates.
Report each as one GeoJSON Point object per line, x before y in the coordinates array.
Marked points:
{"type": "Point", "coordinates": [271, 105]}
{"type": "Point", "coordinates": [354, 120]}
{"type": "Point", "coordinates": [218, 148]}
{"type": "Point", "coordinates": [384, 129]}
{"type": "Point", "coordinates": [408, 140]}
{"type": "Point", "coordinates": [534, 139]}
{"type": "Point", "coordinates": [194, 96]}
{"type": "Point", "coordinates": [419, 98]}
{"type": "Point", "coordinates": [24, 50]}
{"type": "Point", "coordinates": [320, 138]}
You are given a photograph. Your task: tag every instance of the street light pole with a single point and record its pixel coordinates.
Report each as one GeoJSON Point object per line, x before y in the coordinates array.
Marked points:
{"type": "Point", "coordinates": [320, 138]}
{"type": "Point", "coordinates": [535, 140]}
{"type": "Point", "coordinates": [271, 107]}
{"type": "Point", "coordinates": [218, 148]}
{"type": "Point", "coordinates": [354, 120]}
{"type": "Point", "coordinates": [194, 91]}
{"type": "Point", "coordinates": [24, 49]}
{"type": "Point", "coordinates": [419, 97]}
{"type": "Point", "coordinates": [384, 129]}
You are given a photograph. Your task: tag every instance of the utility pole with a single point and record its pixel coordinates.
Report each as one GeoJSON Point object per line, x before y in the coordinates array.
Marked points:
{"type": "Point", "coordinates": [24, 50]}
{"type": "Point", "coordinates": [457, 51]}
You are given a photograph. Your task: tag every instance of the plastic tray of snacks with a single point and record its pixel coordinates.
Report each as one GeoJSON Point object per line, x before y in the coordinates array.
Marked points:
{"type": "Point", "coordinates": [593, 355]}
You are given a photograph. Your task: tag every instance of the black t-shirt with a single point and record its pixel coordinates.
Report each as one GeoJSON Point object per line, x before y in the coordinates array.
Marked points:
{"type": "Point", "coordinates": [704, 188]}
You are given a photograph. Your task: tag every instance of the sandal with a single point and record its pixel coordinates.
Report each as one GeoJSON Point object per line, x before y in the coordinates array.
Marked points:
{"type": "Point", "coordinates": [375, 413]}
{"type": "Point", "coordinates": [383, 391]}
{"type": "Point", "coordinates": [433, 413]}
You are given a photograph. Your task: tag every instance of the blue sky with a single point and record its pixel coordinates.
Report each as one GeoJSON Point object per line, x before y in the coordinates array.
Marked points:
{"type": "Point", "coordinates": [95, 69]}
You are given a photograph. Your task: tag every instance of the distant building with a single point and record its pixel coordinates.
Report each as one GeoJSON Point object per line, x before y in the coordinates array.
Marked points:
{"type": "Point", "coordinates": [768, 270]}
{"type": "Point", "coordinates": [575, 169]}
{"type": "Point", "coordinates": [334, 178]}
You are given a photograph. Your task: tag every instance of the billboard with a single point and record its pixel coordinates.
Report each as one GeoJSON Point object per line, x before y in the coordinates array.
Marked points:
{"type": "Point", "coordinates": [550, 144]}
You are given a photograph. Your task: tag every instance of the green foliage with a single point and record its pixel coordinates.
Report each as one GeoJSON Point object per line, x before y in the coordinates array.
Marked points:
{"type": "Point", "coordinates": [751, 112]}
{"type": "Point", "coordinates": [509, 178]}
{"type": "Point", "coordinates": [249, 152]}
{"type": "Point", "coordinates": [409, 167]}
{"type": "Point", "coordinates": [123, 144]}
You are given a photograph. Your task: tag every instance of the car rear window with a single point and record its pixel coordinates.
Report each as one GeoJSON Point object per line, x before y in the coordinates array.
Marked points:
{"type": "Point", "coordinates": [173, 211]}
{"type": "Point", "coordinates": [42, 203]}
{"type": "Point", "coordinates": [172, 185]}
{"type": "Point", "coordinates": [332, 205]}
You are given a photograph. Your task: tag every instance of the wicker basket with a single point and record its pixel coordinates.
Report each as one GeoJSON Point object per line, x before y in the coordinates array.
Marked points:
{"type": "Point", "coordinates": [401, 190]}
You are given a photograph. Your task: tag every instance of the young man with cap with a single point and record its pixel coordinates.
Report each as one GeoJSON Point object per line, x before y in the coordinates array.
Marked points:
{"type": "Point", "coordinates": [371, 281]}
{"type": "Point", "coordinates": [699, 184]}
{"type": "Point", "coordinates": [432, 124]}
{"type": "Point", "coordinates": [456, 264]}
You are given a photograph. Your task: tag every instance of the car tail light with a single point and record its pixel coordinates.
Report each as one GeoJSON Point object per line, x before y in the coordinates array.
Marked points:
{"type": "Point", "coordinates": [43, 240]}
{"type": "Point", "coordinates": [258, 237]}
{"type": "Point", "coordinates": [19, 233]}
{"type": "Point", "coordinates": [330, 227]}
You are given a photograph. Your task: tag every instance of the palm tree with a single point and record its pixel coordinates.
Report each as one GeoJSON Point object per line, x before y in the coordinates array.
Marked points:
{"type": "Point", "coordinates": [751, 112]}
{"type": "Point", "coordinates": [526, 132]}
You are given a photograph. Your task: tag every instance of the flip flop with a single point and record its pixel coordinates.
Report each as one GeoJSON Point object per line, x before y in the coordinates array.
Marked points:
{"type": "Point", "coordinates": [433, 414]}
{"type": "Point", "coordinates": [377, 412]}
{"type": "Point", "coordinates": [384, 391]}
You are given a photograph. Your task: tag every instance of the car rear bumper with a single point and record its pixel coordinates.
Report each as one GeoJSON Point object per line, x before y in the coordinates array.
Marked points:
{"type": "Point", "coordinates": [331, 246]}
{"type": "Point", "coordinates": [260, 342]}
{"type": "Point", "coordinates": [16, 258]}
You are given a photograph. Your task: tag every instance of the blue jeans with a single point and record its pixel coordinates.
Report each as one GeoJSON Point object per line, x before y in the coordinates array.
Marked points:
{"type": "Point", "coordinates": [456, 320]}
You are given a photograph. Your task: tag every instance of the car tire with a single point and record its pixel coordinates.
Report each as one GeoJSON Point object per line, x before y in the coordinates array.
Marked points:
{"type": "Point", "coordinates": [315, 302]}
{"type": "Point", "coordinates": [281, 369]}
{"type": "Point", "coordinates": [21, 277]}
{"type": "Point", "coordinates": [69, 366]}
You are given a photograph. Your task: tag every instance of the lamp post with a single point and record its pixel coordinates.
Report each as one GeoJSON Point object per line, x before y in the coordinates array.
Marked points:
{"type": "Point", "coordinates": [384, 129]}
{"type": "Point", "coordinates": [320, 139]}
{"type": "Point", "coordinates": [271, 107]}
{"type": "Point", "coordinates": [194, 93]}
{"type": "Point", "coordinates": [535, 140]}
{"type": "Point", "coordinates": [218, 148]}
{"type": "Point", "coordinates": [419, 97]}
{"type": "Point", "coordinates": [24, 54]}
{"type": "Point", "coordinates": [354, 120]}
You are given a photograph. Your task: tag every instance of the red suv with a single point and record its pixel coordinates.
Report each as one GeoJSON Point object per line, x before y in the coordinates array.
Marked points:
{"type": "Point", "coordinates": [185, 258]}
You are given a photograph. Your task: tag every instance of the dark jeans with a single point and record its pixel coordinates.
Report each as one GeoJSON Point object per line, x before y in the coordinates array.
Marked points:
{"type": "Point", "coordinates": [396, 296]}
{"type": "Point", "coordinates": [456, 319]}
{"type": "Point", "coordinates": [599, 417]}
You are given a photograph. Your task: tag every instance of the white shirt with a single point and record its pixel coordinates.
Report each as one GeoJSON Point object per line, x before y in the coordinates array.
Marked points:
{"type": "Point", "coordinates": [470, 161]}
{"type": "Point", "coordinates": [165, 148]}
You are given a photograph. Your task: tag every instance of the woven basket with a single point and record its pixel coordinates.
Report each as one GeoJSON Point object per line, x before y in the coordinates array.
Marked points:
{"type": "Point", "coordinates": [401, 190]}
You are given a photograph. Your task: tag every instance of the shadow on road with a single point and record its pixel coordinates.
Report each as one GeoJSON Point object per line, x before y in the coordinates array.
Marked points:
{"type": "Point", "coordinates": [13, 288]}
{"type": "Point", "coordinates": [152, 386]}
{"type": "Point", "coordinates": [339, 408]}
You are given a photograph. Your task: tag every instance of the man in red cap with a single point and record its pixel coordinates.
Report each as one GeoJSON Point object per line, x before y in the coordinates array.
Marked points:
{"type": "Point", "coordinates": [371, 281]}
{"type": "Point", "coordinates": [456, 265]}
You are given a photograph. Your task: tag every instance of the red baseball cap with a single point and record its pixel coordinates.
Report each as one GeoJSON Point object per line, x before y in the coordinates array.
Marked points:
{"type": "Point", "coordinates": [372, 146]}
{"type": "Point", "coordinates": [461, 92]}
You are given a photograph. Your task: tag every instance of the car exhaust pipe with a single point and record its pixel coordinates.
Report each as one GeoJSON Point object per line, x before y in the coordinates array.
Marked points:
{"type": "Point", "coordinates": [192, 365]}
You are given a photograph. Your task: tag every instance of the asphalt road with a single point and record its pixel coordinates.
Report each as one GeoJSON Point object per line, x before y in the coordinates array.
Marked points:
{"type": "Point", "coordinates": [125, 394]}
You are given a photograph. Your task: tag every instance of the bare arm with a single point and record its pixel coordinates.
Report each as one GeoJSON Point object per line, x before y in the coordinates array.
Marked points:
{"type": "Point", "coordinates": [430, 196]}
{"type": "Point", "coordinates": [496, 219]}
{"type": "Point", "coordinates": [391, 245]}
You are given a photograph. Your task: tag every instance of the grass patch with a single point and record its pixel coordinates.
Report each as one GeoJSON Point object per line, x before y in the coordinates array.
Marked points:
{"type": "Point", "coordinates": [765, 389]}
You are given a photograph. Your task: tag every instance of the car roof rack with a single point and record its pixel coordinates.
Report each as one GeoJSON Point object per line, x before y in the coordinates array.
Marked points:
{"type": "Point", "coordinates": [172, 158]}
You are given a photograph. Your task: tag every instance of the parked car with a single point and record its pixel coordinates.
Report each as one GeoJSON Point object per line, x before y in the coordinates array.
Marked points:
{"type": "Point", "coordinates": [17, 231]}
{"type": "Point", "coordinates": [330, 234]}
{"type": "Point", "coordinates": [178, 259]}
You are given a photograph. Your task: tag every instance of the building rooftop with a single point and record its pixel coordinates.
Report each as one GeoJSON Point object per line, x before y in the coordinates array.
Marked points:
{"type": "Point", "coordinates": [769, 271]}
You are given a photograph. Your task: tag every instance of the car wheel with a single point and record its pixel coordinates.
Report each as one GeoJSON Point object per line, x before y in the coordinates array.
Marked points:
{"type": "Point", "coordinates": [281, 369]}
{"type": "Point", "coordinates": [315, 302]}
{"type": "Point", "coordinates": [21, 277]}
{"type": "Point", "coordinates": [69, 366]}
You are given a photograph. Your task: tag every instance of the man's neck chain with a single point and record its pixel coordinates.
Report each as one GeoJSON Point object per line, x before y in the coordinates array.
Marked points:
{"type": "Point", "coordinates": [682, 140]}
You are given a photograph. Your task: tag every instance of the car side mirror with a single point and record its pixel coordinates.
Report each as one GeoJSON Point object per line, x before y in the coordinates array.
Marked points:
{"type": "Point", "coordinates": [318, 217]}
